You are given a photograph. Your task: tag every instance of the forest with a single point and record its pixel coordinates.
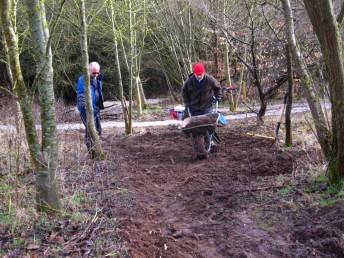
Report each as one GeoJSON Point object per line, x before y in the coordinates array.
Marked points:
{"type": "Point", "coordinates": [272, 180]}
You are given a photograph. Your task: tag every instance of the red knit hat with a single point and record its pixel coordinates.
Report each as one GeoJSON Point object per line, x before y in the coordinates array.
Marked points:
{"type": "Point", "coordinates": [198, 69]}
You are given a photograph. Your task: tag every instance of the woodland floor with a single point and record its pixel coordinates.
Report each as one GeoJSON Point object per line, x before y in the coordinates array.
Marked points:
{"type": "Point", "coordinates": [150, 197]}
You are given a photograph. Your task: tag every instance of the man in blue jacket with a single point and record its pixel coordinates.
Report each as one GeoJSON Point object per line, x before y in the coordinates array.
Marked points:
{"type": "Point", "coordinates": [96, 95]}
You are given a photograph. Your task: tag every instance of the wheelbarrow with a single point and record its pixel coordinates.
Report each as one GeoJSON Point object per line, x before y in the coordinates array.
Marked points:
{"type": "Point", "coordinates": [202, 129]}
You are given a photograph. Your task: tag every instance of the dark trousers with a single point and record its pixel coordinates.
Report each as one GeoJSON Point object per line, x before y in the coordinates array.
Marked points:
{"type": "Point", "coordinates": [201, 112]}
{"type": "Point", "coordinates": [97, 123]}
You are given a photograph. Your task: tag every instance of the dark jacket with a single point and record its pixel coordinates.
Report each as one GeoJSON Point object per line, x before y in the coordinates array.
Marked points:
{"type": "Point", "coordinates": [198, 96]}
{"type": "Point", "coordinates": [97, 103]}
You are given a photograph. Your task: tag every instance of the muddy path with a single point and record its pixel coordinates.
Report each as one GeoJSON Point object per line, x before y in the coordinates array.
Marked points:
{"type": "Point", "coordinates": [151, 198]}
{"type": "Point", "coordinates": [237, 203]}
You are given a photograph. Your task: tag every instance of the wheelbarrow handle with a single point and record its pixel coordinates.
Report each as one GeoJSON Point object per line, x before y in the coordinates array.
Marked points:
{"type": "Point", "coordinates": [216, 108]}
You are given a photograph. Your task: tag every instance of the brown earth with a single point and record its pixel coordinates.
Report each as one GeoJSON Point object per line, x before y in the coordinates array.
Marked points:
{"type": "Point", "coordinates": [230, 205]}
{"type": "Point", "coordinates": [150, 197]}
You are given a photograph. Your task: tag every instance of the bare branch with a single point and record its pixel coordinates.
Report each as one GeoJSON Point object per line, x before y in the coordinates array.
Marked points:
{"type": "Point", "coordinates": [8, 91]}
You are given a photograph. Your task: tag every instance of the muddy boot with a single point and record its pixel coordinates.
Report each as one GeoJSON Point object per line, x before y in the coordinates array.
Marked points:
{"type": "Point", "coordinates": [199, 147]}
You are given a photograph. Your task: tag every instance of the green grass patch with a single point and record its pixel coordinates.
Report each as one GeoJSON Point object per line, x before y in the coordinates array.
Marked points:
{"type": "Point", "coordinates": [330, 194]}
{"type": "Point", "coordinates": [286, 191]}
{"type": "Point", "coordinates": [79, 198]}
{"type": "Point", "coordinates": [7, 210]}
{"type": "Point", "coordinates": [153, 109]}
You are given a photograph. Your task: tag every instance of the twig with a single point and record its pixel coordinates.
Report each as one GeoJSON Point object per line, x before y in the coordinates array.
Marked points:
{"type": "Point", "coordinates": [9, 92]}
{"type": "Point", "coordinates": [261, 136]}
{"type": "Point", "coordinates": [188, 179]}
{"type": "Point", "coordinates": [250, 108]}
{"type": "Point", "coordinates": [172, 160]}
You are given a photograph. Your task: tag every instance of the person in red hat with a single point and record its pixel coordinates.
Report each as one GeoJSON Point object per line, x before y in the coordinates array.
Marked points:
{"type": "Point", "coordinates": [199, 91]}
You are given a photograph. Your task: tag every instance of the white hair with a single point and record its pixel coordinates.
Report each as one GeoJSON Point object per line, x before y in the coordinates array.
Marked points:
{"type": "Point", "coordinates": [93, 65]}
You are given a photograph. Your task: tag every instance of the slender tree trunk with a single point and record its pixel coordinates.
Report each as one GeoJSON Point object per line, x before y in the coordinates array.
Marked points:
{"type": "Point", "coordinates": [254, 69]}
{"type": "Point", "coordinates": [144, 104]}
{"type": "Point", "coordinates": [131, 66]}
{"type": "Point", "coordinates": [325, 26]}
{"type": "Point", "coordinates": [288, 135]}
{"type": "Point", "coordinates": [118, 69]}
{"type": "Point", "coordinates": [18, 116]}
{"type": "Point", "coordinates": [135, 60]}
{"type": "Point", "coordinates": [96, 150]}
{"type": "Point", "coordinates": [142, 93]}
{"type": "Point", "coordinates": [323, 134]}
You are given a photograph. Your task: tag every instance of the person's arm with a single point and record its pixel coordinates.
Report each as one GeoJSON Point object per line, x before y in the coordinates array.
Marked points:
{"type": "Point", "coordinates": [186, 98]}
{"type": "Point", "coordinates": [80, 91]}
{"type": "Point", "coordinates": [101, 98]}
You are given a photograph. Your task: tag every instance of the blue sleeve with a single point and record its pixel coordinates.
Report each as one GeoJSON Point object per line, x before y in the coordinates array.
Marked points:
{"type": "Point", "coordinates": [101, 86]}
{"type": "Point", "coordinates": [80, 86]}
{"type": "Point", "coordinates": [80, 90]}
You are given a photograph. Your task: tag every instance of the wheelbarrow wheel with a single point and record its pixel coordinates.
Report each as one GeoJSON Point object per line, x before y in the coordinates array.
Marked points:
{"type": "Point", "coordinates": [211, 141]}
{"type": "Point", "coordinates": [198, 142]}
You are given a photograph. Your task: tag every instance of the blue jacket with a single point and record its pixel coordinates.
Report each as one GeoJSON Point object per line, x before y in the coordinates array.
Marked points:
{"type": "Point", "coordinates": [80, 90]}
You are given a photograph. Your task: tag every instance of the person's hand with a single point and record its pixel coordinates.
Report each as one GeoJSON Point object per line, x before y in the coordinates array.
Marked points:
{"type": "Point", "coordinates": [233, 90]}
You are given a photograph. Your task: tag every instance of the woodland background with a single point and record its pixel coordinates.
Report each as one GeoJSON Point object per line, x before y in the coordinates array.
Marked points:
{"type": "Point", "coordinates": [269, 51]}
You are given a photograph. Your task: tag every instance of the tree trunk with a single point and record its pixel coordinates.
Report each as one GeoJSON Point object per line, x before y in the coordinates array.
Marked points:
{"type": "Point", "coordinates": [323, 134]}
{"type": "Point", "coordinates": [142, 93]}
{"type": "Point", "coordinates": [325, 26]}
{"type": "Point", "coordinates": [18, 116]}
{"type": "Point", "coordinates": [288, 135]}
{"type": "Point", "coordinates": [135, 60]}
{"type": "Point", "coordinates": [119, 73]}
{"type": "Point", "coordinates": [96, 150]}
{"type": "Point", "coordinates": [47, 193]}
{"type": "Point", "coordinates": [131, 66]}
{"type": "Point", "coordinates": [254, 70]}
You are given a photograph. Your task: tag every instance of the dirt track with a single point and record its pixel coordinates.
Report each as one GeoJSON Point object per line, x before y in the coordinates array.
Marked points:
{"type": "Point", "coordinates": [232, 205]}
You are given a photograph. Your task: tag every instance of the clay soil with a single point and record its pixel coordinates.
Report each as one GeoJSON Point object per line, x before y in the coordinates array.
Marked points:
{"type": "Point", "coordinates": [151, 197]}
